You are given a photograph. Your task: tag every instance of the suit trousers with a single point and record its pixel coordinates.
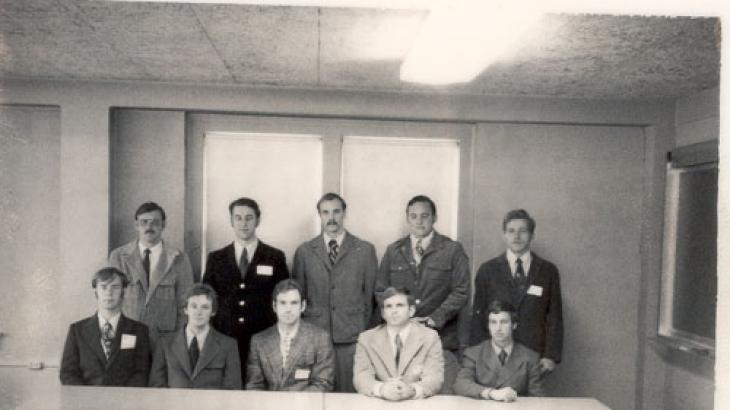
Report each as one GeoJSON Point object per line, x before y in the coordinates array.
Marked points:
{"type": "Point", "coordinates": [344, 360]}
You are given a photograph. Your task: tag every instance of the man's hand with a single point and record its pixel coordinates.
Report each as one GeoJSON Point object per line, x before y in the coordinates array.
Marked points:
{"type": "Point", "coordinates": [426, 321]}
{"type": "Point", "coordinates": [394, 389]}
{"type": "Point", "coordinates": [546, 365]}
{"type": "Point", "coordinates": [506, 394]}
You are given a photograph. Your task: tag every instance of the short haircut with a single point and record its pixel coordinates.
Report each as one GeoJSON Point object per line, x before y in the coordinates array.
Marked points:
{"type": "Point", "coordinates": [519, 214]}
{"type": "Point", "coordinates": [422, 198]}
{"type": "Point", "coordinates": [499, 306]}
{"type": "Point", "coordinates": [149, 207]}
{"type": "Point", "coordinates": [245, 202]}
{"type": "Point", "coordinates": [202, 289]}
{"type": "Point", "coordinates": [331, 196]}
{"type": "Point", "coordinates": [395, 291]}
{"type": "Point", "coordinates": [285, 286]}
{"type": "Point", "coordinates": [108, 273]}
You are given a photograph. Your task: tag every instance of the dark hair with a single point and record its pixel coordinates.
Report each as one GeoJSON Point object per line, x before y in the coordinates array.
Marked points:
{"type": "Point", "coordinates": [149, 207]}
{"type": "Point", "coordinates": [245, 202]}
{"type": "Point", "coordinates": [519, 214]}
{"type": "Point", "coordinates": [422, 198]}
{"type": "Point", "coordinates": [285, 286]}
{"type": "Point", "coordinates": [498, 306]}
{"type": "Point", "coordinates": [394, 291]}
{"type": "Point", "coordinates": [331, 196]}
{"type": "Point", "coordinates": [105, 274]}
{"type": "Point", "coordinates": [202, 289]}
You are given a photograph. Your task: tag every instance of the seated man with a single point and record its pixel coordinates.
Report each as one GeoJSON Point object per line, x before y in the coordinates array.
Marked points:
{"type": "Point", "coordinates": [197, 356]}
{"type": "Point", "coordinates": [107, 349]}
{"type": "Point", "coordinates": [401, 359]}
{"type": "Point", "coordinates": [499, 368]}
{"type": "Point", "coordinates": [291, 355]}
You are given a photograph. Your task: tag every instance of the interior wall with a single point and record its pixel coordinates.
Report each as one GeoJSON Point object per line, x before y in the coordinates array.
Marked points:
{"type": "Point", "coordinates": [82, 199]}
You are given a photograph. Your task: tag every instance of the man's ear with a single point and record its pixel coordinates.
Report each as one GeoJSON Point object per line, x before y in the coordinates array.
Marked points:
{"type": "Point", "coordinates": [304, 305]}
{"type": "Point", "coordinates": [411, 311]}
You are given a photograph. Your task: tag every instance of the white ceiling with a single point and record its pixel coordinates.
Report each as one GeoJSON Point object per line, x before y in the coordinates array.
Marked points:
{"type": "Point", "coordinates": [591, 56]}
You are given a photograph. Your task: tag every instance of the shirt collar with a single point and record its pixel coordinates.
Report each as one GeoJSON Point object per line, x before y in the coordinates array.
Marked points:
{"type": "Point", "coordinates": [507, 349]}
{"type": "Point", "coordinates": [291, 334]}
{"type": "Point", "coordinates": [403, 334]}
{"type": "Point", "coordinates": [425, 241]}
{"type": "Point", "coordinates": [201, 336]}
{"type": "Point", "coordinates": [114, 321]}
{"type": "Point", "coordinates": [525, 257]}
{"type": "Point", "coordinates": [250, 247]}
{"type": "Point", "coordinates": [156, 249]}
{"type": "Point", "coordinates": [339, 238]}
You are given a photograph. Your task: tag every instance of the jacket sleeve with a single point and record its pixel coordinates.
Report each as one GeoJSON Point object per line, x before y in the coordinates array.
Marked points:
{"type": "Point", "coordinates": [298, 272]}
{"type": "Point", "coordinates": [142, 356]}
{"type": "Point", "coordinates": [158, 371]}
{"type": "Point", "coordinates": [323, 373]}
{"type": "Point", "coordinates": [554, 320]}
{"type": "Point", "coordinates": [478, 328]}
{"type": "Point", "coordinates": [232, 371]}
{"type": "Point", "coordinates": [183, 282]}
{"type": "Point", "coordinates": [433, 370]}
{"type": "Point", "coordinates": [534, 379]}
{"type": "Point", "coordinates": [209, 275]}
{"type": "Point", "coordinates": [282, 271]}
{"type": "Point", "coordinates": [70, 373]}
{"type": "Point", "coordinates": [368, 287]}
{"type": "Point", "coordinates": [465, 384]}
{"type": "Point", "coordinates": [459, 295]}
{"type": "Point", "coordinates": [255, 379]}
{"type": "Point", "coordinates": [363, 371]}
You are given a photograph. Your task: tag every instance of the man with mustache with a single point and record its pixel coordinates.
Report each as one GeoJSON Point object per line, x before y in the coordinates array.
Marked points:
{"type": "Point", "coordinates": [530, 283]}
{"type": "Point", "coordinates": [337, 273]}
{"type": "Point", "coordinates": [158, 274]}
{"type": "Point", "coordinates": [244, 274]}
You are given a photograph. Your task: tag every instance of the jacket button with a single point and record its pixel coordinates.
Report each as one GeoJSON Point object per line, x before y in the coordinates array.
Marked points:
{"type": "Point", "coordinates": [242, 286]}
{"type": "Point", "coordinates": [240, 320]}
{"type": "Point", "coordinates": [241, 303]}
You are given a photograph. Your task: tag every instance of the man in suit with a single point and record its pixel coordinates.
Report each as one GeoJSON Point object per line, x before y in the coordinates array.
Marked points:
{"type": "Point", "coordinates": [435, 270]}
{"type": "Point", "coordinates": [107, 349]}
{"type": "Point", "coordinates": [158, 274]}
{"type": "Point", "coordinates": [402, 359]}
{"type": "Point", "coordinates": [337, 272]}
{"type": "Point", "coordinates": [244, 274]}
{"type": "Point", "coordinates": [500, 368]}
{"type": "Point", "coordinates": [197, 356]}
{"type": "Point", "coordinates": [292, 355]}
{"type": "Point", "coordinates": [530, 283]}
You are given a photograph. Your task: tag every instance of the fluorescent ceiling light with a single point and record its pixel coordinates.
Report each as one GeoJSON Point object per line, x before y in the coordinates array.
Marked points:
{"type": "Point", "coordinates": [459, 39]}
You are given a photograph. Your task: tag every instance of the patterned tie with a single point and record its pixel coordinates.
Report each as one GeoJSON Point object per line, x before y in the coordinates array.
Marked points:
{"type": "Point", "coordinates": [285, 346]}
{"type": "Point", "coordinates": [333, 251]}
{"type": "Point", "coordinates": [194, 352]}
{"type": "Point", "coordinates": [419, 251]}
{"type": "Point", "coordinates": [520, 277]}
{"type": "Point", "coordinates": [502, 356]}
{"type": "Point", "coordinates": [146, 264]}
{"type": "Point", "coordinates": [107, 335]}
{"type": "Point", "coordinates": [398, 348]}
{"type": "Point", "coordinates": [243, 263]}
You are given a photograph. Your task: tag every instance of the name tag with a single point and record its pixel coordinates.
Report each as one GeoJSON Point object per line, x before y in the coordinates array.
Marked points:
{"type": "Point", "coordinates": [264, 270]}
{"type": "Point", "coordinates": [128, 341]}
{"type": "Point", "coordinates": [534, 290]}
{"type": "Point", "coordinates": [301, 374]}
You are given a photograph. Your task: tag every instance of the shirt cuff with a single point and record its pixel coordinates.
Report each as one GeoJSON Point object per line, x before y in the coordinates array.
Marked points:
{"type": "Point", "coordinates": [419, 391]}
{"type": "Point", "coordinates": [377, 389]}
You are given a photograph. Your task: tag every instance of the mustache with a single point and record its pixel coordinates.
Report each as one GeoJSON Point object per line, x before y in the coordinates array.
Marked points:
{"type": "Point", "coordinates": [149, 231]}
{"type": "Point", "coordinates": [332, 223]}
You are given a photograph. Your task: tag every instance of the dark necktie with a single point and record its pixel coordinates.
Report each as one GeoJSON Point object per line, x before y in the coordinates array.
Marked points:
{"type": "Point", "coordinates": [194, 352]}
{"type": "Point", "coordinates": [520, 278]}
{"type": "Point", "coordinates": [398, 348]}
{"type": "Point", "coordinates": [502, 356]}
{"type": "Point", "coordinates": [146, 264]}
{"type": "Point", "coordinates": [419, 251]}
{"type": "Point", "coordinates": [107, 335]}
{"type": "Point", "coordinates": [243, 264]}
{"type": "Point", "coordinates": [333, 251]}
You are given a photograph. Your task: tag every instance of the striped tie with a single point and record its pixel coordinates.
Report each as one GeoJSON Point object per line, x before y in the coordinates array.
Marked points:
{"type": "Point", "coordinates": [333, 251]}
{"type": "Point", "coordinates": [107, 335]}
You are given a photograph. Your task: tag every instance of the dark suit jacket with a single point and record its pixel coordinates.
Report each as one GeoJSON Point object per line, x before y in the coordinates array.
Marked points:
{"type": "Point", "coordinates": [339, 297]}
{"type": "Point", "coordinates": [221, 272]}
{"type": "Point", "coordinates": [84, 362]}
{"type": "Point", "coordinates": [481, 369]}
{"type": "Point", "coordinates": [218, 365]}
{"type": "Point", "coordinates": [440, 283]}
{"type": "Point", "coordinates": [310, 350]}
{"type": "Point", "coordinates": [540, 317]}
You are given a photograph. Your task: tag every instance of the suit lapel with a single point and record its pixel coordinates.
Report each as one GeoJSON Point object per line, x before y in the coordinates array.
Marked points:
{"type": "Point", "coordinates": [509, 368]}
{"type": "Point", "coordinates": [301, 339]}
{"type": "Point", "coordinates": [321, 251]}
{"type": "Point", "coordinates": [92, 335]}
{"type": "Point", "coordinates": [123, 326]}
{"type": "Point", "coordinates": [180, 350]}
{"type": "Point", "coordinates": [167, 257]}
{"type": "Point", "coordinates": [134, 258]}
{"type": "Point", "coordinates": [231, 260]}
{"type": "Point", "coordinates": [490, 359]}
{"type": "Point", "coordinates": [509, 279]}
{"type": "Point", "coordinates": [210, 351]}
{"type": "Point", "coordinates": [384, 350]}
{"type": "Point", "coordinates": [273, 355]}
{"type": "Point", "coordinates": [407, 253]}
{"type": "Point", "coordinates": [413, 345]}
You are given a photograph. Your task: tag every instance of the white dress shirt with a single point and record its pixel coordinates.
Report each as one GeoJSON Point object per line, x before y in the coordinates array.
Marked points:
{"type": "Point", "coordinates": [285, 339]}
{"type": "Point", "coordinates": [202, 335]}
{"type": "Point", "coordinates": [425, 242]}
{"type": "Point", "coordinates": [114, 321]}
{"type": "Point", "coordinates": [250, 249]}
{"type": "Point", "coordinates": [339, 238]}
{"type": "Point", "coordinates": [155, 252]}
{"type": "Point", "coordinates": [526, 261]}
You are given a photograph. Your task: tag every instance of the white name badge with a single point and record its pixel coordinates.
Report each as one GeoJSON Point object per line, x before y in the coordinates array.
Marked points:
{"type": "Point", "coordinates": [301, 374]}
{"type": "Point", "coordinates": [534, 290]}
{"type": "Point", "coordinates": [264, 270]}
{"type": "Point", "coordinates": [128, 341]}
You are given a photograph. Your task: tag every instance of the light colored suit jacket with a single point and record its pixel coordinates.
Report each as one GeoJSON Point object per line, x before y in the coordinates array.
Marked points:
{"type": "Point", "coordinates": [481, 369]}
{"type": "Point", "coordinates": [339, 297]}
{"type": "Point", "coordinates": [218, 365]}
{"type": "Point", "coordinates": [421, 361]}
{"type": "Point", "coordinates": [157, 304]}
{"type": "Point", "coordinates": [309, 366]}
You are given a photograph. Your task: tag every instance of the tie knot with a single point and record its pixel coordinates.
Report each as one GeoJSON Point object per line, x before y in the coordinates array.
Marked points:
{"type": "Point", "coordinates": [332, 244]}
{"type": "Point", "coordinates": [518, 262]}
{"type": "Point", "coordinates": [147, 251]}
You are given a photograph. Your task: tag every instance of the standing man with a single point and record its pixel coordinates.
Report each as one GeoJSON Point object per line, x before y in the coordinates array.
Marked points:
{"type": "Point", "coordinates": [530, 283]}
{"type": "Point", "coordinates": [292, 355]}
{"type": "Point", "coordinates": [435, 270]}
{"type": "Point", "coordinates": [158, 274]}
{"type": "Point", "coordinates": [107, 349]}
{"type": "Point", "coordinates": [244, 274]}
{"type": "Point", "coordinates": [337, 272]}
